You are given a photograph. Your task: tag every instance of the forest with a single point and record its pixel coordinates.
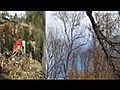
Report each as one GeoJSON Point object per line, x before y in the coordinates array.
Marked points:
{"type": "Point", "coordinates": [83, 45]}
{"type": "Point", "coordinates": [60, 45]}
{"type": "Point", "coordinates": [21, 45]}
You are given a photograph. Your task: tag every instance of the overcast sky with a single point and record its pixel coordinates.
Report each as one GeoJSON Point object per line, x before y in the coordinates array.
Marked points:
{"type": "Point", "coordinates": [53, 22]}
{"type": "Point", "coordinates": [18, 12]}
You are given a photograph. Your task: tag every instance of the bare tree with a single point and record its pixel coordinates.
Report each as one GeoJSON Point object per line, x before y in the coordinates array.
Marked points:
{"type": "Point", "coordinates": [63, 49]}
{"type": "Point", "coordinates": [55, 54]}
{"type": "Point", "coordinates": [71, 21]}
{"type": "Point", "coordinates": [103, 38]}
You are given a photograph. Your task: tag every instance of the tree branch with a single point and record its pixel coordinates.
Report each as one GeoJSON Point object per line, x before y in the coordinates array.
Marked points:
{"type": "Point", "coordinates": [89, 14]}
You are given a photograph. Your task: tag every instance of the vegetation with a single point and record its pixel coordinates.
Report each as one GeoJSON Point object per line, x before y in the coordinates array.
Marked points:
{"type": "Point", "coordinates": [101, 58]}
{"type": "Point", "coordinates": [28, 27]}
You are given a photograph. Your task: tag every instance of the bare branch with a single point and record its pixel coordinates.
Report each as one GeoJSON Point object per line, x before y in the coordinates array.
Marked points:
{"type": "Point", "coordinates": [109, 41]}
{"type": "Point", "coordinates": [89, 14]}
{"type": "Point", "coordinates": [80, 45]}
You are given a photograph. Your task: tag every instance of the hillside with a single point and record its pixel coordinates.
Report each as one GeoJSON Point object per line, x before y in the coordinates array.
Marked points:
{"type": "Point", "coordinates": [22, 67]}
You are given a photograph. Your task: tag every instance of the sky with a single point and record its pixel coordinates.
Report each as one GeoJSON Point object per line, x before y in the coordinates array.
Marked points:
{"type": "Point", "coordinates": [18, 12]}
{"type": "Point", "coordinates": [52, 21]}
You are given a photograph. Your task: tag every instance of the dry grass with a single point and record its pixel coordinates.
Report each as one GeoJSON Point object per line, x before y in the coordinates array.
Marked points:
{"type": "Point", "coordinates": [22, 67]}
{"type": "Point", "coordinates": [103, 75]}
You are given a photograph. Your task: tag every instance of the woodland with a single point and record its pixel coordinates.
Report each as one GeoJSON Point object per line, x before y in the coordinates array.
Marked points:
{"type": "Point", "coordinates": [82, 45]}
{"type": "Point", "coordinates": [67, 57]}
{"type": "Point", "coordinates": [21, 45]}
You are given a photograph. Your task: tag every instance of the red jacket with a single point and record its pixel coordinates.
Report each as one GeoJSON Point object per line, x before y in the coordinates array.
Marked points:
{"type": "Point", "coordinates": [17, 44]}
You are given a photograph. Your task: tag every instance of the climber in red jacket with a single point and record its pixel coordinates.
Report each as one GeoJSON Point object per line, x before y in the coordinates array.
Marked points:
{"type": "Point", "coordinates": [17, 45]}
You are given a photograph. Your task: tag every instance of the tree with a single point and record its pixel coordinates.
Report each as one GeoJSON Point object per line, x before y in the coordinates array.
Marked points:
{"type": "Point", "coordinates": [36, 19]}
{"type": "Point", "coordinates": [104, 39]}
{"type": "Point", "coordinates": [68, 44]}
